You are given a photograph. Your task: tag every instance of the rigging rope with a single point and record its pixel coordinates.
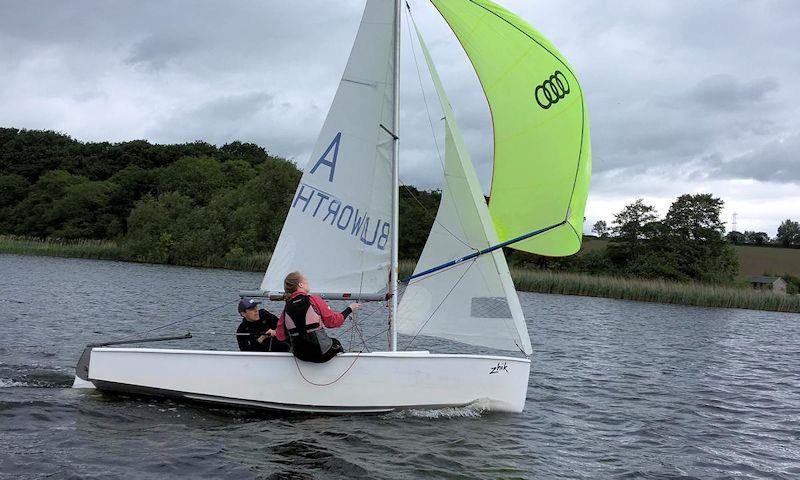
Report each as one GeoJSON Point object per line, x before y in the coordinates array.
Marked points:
{"type": "Point", "coordinates": [180, 320]}
{"type": "Point", "coordinates": [300, 371]}
{"type": "Point", "coordinates": [433, 132]}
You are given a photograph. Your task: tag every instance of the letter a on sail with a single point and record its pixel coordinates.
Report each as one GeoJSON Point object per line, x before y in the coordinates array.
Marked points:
{"type": "Point", "coordinates": [323, 160]}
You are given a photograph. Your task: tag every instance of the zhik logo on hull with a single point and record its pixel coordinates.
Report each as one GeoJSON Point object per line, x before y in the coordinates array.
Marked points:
{"type": "Point", "coordinates": [552, 90]}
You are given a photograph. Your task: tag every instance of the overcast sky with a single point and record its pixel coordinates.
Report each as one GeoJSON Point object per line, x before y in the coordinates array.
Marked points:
{"type": "Point", "coordinates": [683, 96]}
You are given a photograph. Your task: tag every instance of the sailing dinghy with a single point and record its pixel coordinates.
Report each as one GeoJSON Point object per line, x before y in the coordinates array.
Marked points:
{"type": "Point", "coordinates": [341, 232]}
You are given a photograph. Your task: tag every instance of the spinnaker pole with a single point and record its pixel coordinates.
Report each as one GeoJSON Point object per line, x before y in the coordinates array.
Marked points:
{"type": "Point", "coordinates": [485, 251]}
{"type": "Point", "coordinates": [395, 182]}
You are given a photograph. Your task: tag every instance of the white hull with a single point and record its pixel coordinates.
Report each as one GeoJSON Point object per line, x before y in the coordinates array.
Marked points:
{"type": "Point", "coordinates": [351, 382]}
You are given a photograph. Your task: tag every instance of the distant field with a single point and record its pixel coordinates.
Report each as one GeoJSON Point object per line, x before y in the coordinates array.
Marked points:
{"type": "Point", "coordinates": [761, 260]}
{"type": "Point", "coordinates": [752, 260]}
{"type": "Point", "coordinates": [593, 244]}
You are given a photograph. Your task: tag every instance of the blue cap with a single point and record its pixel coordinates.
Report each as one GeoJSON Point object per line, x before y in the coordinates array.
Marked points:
{"type": "Point", "coordinates": [247, 303]}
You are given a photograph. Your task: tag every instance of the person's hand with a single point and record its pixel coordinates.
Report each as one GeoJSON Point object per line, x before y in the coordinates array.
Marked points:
{"type": "Point", "coordinates": [266, 335]}
{"type": "Point", "coordinates": [354, 307]}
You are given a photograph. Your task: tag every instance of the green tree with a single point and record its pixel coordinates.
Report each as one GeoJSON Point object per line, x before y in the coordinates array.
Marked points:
{"type": "Point", "coordinates": [13, 189]}
{"type": "Point", "coordinates": [755, 238]}
{"type": "Point", "coordinates": [31, 153]}
{"type": "Point", "coordinates": [134, 183]}
{"type": "Point", "coordinates": [633, 227]}
{"type": "Point", "coordinates": [600, 227]}
{"type": "Point", "coordinates": [692, 234]}
{"type": "Point", "coordinates": [199, 236]}
{"type": "Point", "coordinates": [195, 177]}
{"type": "Point", "coordinates": [736, 238]}
{"type": "Point", "coordinates": [35, 215]}
{"type": "Point", "coordinates": [237, 172]}
{"type": "Point", "coordinates": [788, 233]}
{"type": "Point", "coordinates": [154, 229]}
{"type": "Point", "coordinates": [85, 211]}
{"type": "Point", "coordinates": [249, 152]}
{"type": "Point", "coordinates": [417, 212]}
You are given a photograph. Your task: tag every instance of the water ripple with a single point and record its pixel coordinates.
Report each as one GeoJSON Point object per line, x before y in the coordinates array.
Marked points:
{"type": "Point", "coordinates": [618, 390]}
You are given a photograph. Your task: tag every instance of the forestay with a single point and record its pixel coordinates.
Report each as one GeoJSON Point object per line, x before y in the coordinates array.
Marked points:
{"type": "Point", "coordinates": [542, 158]}
{"type": "Point", "coordinates": [473, 302]}
{"type": "Point", "coordinates": [338, 230]}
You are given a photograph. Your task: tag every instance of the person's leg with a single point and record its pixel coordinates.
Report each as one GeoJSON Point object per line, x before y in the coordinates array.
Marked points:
{"type": "Point", "coordinates": [336, 348]}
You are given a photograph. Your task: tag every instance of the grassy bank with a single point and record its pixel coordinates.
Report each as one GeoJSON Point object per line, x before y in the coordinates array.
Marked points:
{"type": "Point", "coordinates": [659, 291]}
{"type": "Point", "coordinates": [525, 279]}
{"type": "Point", "coordinates": [697, 294]}
{"type": "Point", "coordinates": [110, 250]}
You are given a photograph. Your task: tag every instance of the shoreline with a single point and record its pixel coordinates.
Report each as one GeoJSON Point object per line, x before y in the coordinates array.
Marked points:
{"type": "Point", "coordinates": [525, 280]}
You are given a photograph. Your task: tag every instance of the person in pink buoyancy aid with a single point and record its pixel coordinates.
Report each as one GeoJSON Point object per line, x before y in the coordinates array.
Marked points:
{"type": "Point", "coordinates": [304, 319]}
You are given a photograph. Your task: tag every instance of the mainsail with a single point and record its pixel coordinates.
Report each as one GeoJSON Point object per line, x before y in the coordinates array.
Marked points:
{"type": "Point", "coordinates": [542, 157]}
{"type": "Point", "coordinates": [474, 301]}
{"type": "Point", "coordinates": [338, 230]}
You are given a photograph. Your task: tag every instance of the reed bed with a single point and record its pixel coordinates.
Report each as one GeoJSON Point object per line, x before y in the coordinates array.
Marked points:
{"type": "Point", "coordinates": [528, 280]}
{"type": "Point", "coordinates": [660, 291]}
{"type": "Point", "coordinates": [644, 290]}
{"type": "Point", "coordinates": [256, 262]}
{"type": "Point", "coordinates": [96, 249]}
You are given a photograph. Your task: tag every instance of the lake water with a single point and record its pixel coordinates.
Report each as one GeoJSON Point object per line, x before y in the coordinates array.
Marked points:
{"type": "Point", "coordinates": [617, 390]}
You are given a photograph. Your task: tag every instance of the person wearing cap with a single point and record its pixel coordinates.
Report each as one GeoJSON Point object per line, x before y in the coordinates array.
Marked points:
{"type": "Point", "coordinates": [256, 333]}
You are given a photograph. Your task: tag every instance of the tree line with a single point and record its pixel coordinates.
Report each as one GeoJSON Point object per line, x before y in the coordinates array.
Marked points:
{"type": "Point", "coordinates": [787, 236]}
{"type": "Point", "coordinates": [687, 244]}
{"type": "Point", "coordinates": [177, 203]}
{"type": "Point", "coordinates": [186, 203]}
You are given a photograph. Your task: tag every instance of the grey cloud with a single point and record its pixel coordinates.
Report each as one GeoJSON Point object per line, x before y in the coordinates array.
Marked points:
{"type": "Point", "coordinates": [156, 51]}
{"type": "Point", "coordinates": [219, 120]}
{"type": "Point", "coordinates": [235, 107]}
{"type": "Point", "coordinates": [778, 161]}
{"type": "Point", "coordinates": [726, 92]}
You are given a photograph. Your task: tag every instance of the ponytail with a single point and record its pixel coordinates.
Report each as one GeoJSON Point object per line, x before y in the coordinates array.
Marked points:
{"type": "Point", "coordinates": [291, 283]}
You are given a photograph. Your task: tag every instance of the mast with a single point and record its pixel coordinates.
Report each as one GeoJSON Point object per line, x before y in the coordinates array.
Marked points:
{"type": "Point", "coordinates": [395, 180]}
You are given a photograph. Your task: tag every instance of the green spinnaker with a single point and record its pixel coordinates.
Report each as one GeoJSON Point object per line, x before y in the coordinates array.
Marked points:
{"type": "Point", "coordinates": [542, 152]}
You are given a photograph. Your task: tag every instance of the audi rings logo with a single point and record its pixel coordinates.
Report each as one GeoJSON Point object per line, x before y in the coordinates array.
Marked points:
{"type": "Point", "coordinates": [552, 90]}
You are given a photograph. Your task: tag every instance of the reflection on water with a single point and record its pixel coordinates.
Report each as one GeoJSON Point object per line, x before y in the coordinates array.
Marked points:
{"type": "Point", "coordinates": [618, 390]}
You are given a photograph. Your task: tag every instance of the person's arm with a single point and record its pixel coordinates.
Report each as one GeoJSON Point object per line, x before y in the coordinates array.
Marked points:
{"type": "Point", "coordinates": [269, 318]}
{"type": "Point", "coordinates": [280, 330]}
{"type": "Point", "coordinates": [271, 321]}
{"type": "Point", "coordinates": [243, 340]}
{"type": "Point", "coordinates": [330, 318]}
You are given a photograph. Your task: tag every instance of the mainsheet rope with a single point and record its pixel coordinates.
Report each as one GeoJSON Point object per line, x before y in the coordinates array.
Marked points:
{"type": "Point", "coordinates": [190, 317]}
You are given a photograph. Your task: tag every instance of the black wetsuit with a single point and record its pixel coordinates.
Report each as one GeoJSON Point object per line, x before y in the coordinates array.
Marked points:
{"type": "Point", "coordinates": [249, 343]}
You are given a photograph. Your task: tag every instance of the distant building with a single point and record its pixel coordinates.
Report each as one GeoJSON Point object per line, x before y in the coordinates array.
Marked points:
{"type": "Point", "coordinates": [776, 284]}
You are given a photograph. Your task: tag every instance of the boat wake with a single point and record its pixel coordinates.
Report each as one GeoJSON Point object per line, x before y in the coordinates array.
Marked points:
{"type": "Point", "coordinates": [26, 376]}
{"type": "Point", "coordinates": [7, 382]}
{"type": "Point", "coordinates": [473, 410]}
